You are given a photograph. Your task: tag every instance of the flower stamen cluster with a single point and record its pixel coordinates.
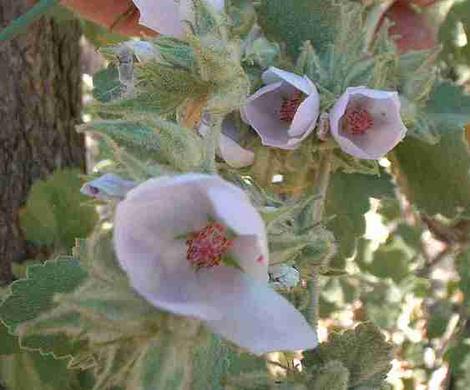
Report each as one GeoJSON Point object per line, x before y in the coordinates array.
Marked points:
{"type": "Point", "coordinates": [207, 246]}
{"type": "Point", "coordinates": [290, 105]}
{"type": "Point", "coordinates": [357, 121]}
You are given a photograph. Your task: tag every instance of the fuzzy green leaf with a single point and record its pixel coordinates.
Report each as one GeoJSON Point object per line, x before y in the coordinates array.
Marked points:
{"type": "Point", "coordinates": [56, 212]}
{"type": "Point", "coordinates": [163, 365]}
{"type": "Point", "coordinates": [29, 370]}
{"type": "Point", "coordinates": [391, 260]}
{"type": "Point", "coordinates": [162, 89]}
{"type": "Point", "coordinates": [106, 84]}
{"type": "Point", "coordinates": [346, 203]}
{"type": "Point", "coordinates": [331, 376]}
{"type": "Point", "coordinates": [34, 295]}
{"type": "Point", "coordinates": [214, 363]}
{"type": "Point", "coordinates": [294, 22]}
{"type": "Point", "coordinates": [8, 343]}
{"type": "Point", "coordinates": [363, 351]}
{"type": "Point", "coordinates": [436, 178]}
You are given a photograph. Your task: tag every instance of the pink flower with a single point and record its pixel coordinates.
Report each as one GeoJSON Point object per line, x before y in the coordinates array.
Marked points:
{"type": "Point", "coordinates": [285, 111]}
{"type": "Point", "coordinates": [194, 245]}
{"type": "Point", "coordinates": [366, 123]}
{"type": "Point", "coordinates": [168, 17]}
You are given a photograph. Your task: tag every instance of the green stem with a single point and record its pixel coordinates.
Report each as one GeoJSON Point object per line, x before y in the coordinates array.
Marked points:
{"type": "Point", "coordinates": [322, 180]}
{"type": "Point", "coordinates": [20, 24]}
{"type": "Point", "coordinates": [210, 145]}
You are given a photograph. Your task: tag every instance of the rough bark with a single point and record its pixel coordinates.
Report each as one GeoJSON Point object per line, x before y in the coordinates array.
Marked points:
{"type": "Point", "coordinates": [40, 104]}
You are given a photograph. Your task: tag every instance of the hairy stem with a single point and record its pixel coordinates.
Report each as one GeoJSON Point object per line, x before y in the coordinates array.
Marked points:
{"type": "Point", "coordinates": [210, 144]}
{"type": "Point", "coordinates": [322, 180]}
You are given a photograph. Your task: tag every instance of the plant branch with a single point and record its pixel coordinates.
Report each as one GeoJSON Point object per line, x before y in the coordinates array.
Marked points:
{"type": "Point", "coordinates": [211, 140]}
{"type": "Point", "coordinates": [322, 180]}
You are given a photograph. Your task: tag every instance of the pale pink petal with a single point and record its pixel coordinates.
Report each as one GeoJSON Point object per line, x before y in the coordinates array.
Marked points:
{"type": "Point", "coordinates": [255, 317]}
{"type": "Point", "coordinates": [306, 116]}
{"type": "Point", "coordinates": [150, 229]}
{"type": "Point", "coordinates": [232, 207]}
{"type": "Point", "coordinates": [388, 129]}
{"type": "Point", "coordinates": [275, 75]}
{"type": "Point", "coordinates": [150, 234]}
{"type": "Point", "coordinates": [260, 112]}
{"type": "Point", "coordinates": [234, 154]}
{"type": "Point", "coordinates": [228, 149]}
{"type": "Point", "coordinates": [252, 256]}
{"type": "Point", "coordinates": [162, 16]}
{"type": "Point", "coordinates": [156, 265]}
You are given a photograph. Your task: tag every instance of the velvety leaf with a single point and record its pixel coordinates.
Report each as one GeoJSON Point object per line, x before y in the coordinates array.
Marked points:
{"type": "Point", "coordinates": [163, 365]}
{"type": "Point", "coordinates": [56, 213]}
{"type": "Point", "coordinates": [106, 84]}
{"type": "Point", "coordinates": [331, 376]}
{"type": "Point", "coordinates": [448, 108]}
{"type": "Point", "coordinates": [436, 178]}
{"type": "Point", "coordinates": [30, 370]}
{"type": "Point", "coordinates": [363, 351]}
{"type": "Point", "coordinates": [390, 261]}
{"type": "Point", "coordinates": [214, 363]}
{"type": "Point", "coordinates": [346, 203]}
{"type": "Point", "coordinates": [161, 89]}
{"type": "Point", "coordinates": [294, 22]}
{"type": "Point", "coordinates": [8, 343]}
{"type": "Point", "coordinates": [34, 295]}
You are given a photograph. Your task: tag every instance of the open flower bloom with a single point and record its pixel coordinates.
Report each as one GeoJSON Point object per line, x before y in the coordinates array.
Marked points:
{"type": "Point", "coordinates": [366, 123]}
{"type": "Point", "coordinates": [228, 149]}
{"type": "Point", "coordinates": [167, 17]}
{"type": "Point", "coordinates": [194, 245]}
{"type": "Point", "coordinates": [285, 111]}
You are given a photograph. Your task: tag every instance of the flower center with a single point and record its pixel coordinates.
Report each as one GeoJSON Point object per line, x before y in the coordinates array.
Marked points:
{"type": "Point", "coordinates": [358, 121]}
{"type": "Point", "coordinates": [289, 106]}
{"type": "Point", "coordinates": [207, 246]}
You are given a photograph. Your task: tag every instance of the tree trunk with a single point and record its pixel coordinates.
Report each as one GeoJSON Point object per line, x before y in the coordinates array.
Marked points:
{"type": "Point", "coordinates": [40, 104]}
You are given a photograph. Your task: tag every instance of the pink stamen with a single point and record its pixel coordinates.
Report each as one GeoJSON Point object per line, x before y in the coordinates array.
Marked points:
{"type": "Point", "coordinates": [207, 246]}
{"type": "Point", "coordinates": [358, 121]}
{"type": "Point", "coordinates": [260, 259]}
{"type": "Point", "coordinates": [290, 106]}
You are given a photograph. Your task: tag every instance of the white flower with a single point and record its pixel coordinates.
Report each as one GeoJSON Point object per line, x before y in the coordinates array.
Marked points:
{"type": "Point", "coordinates": [228, 149]}
{"type": "Point", "coordinates": [366, 123]}
{"type": "Point", "coordinates": [173, 236]}
{"type": "Point", "coordinates": [285, 111]}
{"type": "Point", "coordinates": [168, 17]}
{"type": "Point", "coordinates": [108, 187]}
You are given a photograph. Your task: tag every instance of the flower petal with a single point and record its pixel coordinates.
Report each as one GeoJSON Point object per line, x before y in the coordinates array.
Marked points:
{"type": "Point", "coordinates": [228, 149]}
{"type": "Point", "coordinates": [234, 154]}
{"type": "Point", "coordinates": [306, 116]}
{"type": "Point", "coordinates": [274, 75]}
{"type": "Point", "coordinates": [256, 317]}
{"type": "Point", "coordinates": [162, 16]}
{"type": "Point", "coordinates": [388, 129]}
{"type": "Point", "coordinates": [260, 112]}
{"type": "Point", "coordinates": [149, 237]}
